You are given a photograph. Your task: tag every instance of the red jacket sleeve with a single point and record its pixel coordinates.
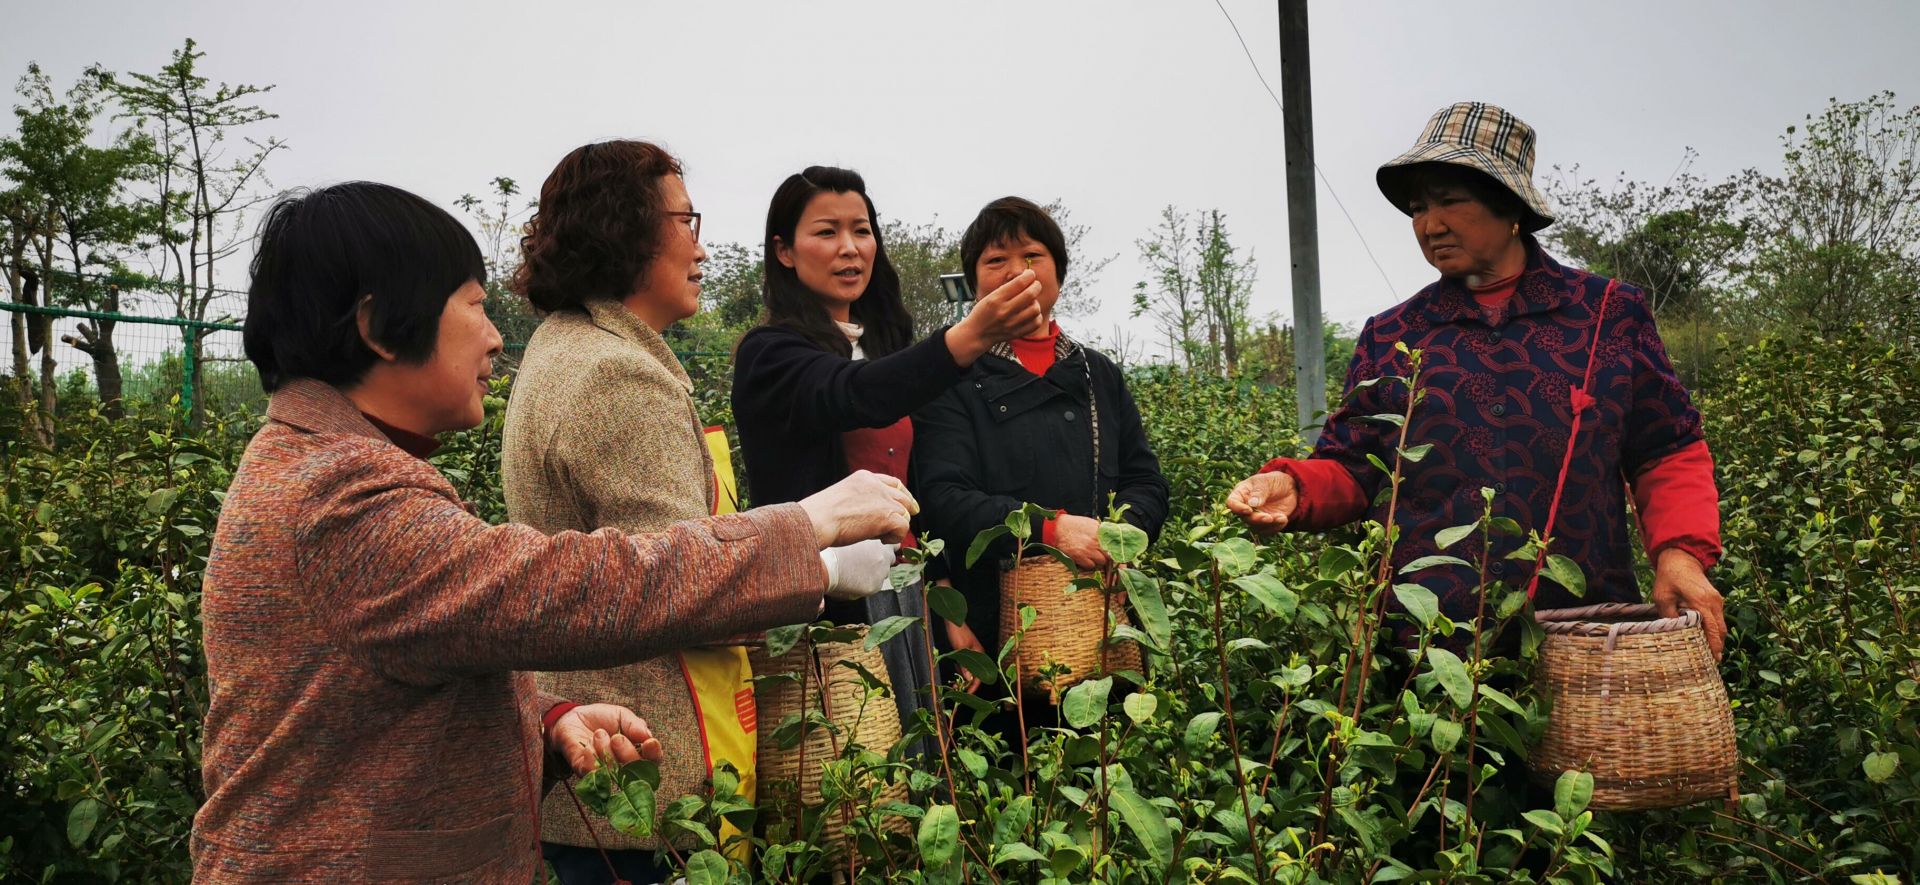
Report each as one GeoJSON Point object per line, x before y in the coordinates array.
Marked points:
{"type": "Point", "coordinates": [1329, 496]}
{"type": "Point", "coordinates": [1679, 505]}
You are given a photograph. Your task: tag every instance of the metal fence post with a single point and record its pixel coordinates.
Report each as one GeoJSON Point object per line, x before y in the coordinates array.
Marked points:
{"type": "Point", "coordinates": [189, 367]}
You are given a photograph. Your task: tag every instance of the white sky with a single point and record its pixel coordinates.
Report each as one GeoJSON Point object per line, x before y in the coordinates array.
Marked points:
{"type": "Point", "coordinates": [1118, 108]}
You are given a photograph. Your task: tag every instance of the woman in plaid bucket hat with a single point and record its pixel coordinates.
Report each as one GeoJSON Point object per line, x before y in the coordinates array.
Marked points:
{"type": "Point", "coordinates": [1547, 384]}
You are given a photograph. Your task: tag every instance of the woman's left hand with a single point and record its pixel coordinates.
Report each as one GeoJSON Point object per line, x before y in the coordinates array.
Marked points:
{"type": "Point", "coordinates": [1680, 582]}
{"type": "Point", "coordinates": [1079, 538]}
{"type": "Point", "coordinates": [590, 732]}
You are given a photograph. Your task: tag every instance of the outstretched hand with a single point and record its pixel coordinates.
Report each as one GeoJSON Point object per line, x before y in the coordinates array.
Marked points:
{"type": "Point", "coordinates": [1265, 501]}
{"type": "Point", "coordinates": [864, 505]}
{"type": "Point", "coordinates": [587, 733]}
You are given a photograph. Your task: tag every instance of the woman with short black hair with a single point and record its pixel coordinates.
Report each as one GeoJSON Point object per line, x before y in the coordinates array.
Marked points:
{"type": "Point", "coordinates": [364, 630]}
{"type": "Point", "coordinates": [1042, 419]}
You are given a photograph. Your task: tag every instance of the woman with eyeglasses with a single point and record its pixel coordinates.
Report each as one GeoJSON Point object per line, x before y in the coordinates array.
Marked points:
{"type": "Point", "coordinates": [601, 431]}
{"type": "Point", "coordinates": [824, 385]}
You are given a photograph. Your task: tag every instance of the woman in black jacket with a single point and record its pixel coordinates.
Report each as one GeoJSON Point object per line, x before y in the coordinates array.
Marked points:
{"type": "Point", "coordinates": [1043, 420]}
{"type": "Point", "coordinates": [824, 386]}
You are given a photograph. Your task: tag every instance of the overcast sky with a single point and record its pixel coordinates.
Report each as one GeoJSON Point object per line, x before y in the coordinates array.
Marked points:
{"type": "Point", "coordinates": [1117, 108]}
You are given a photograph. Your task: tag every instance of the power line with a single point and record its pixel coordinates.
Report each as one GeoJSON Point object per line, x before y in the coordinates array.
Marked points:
{"type": "Point", "coordinates": [1391, 290]}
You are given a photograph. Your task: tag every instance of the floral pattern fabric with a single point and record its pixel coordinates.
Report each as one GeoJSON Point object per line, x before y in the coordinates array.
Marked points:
{"type": "Point", "coordinates": [1497, 412]}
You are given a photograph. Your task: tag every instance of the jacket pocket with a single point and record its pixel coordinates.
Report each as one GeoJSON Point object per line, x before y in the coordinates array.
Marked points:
{"type": "Point", "coordinates": [438, 854]}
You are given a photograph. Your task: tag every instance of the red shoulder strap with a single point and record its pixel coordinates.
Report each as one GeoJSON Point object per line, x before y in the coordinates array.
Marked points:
{"type": "Point", "coordinates": [1580, 398]}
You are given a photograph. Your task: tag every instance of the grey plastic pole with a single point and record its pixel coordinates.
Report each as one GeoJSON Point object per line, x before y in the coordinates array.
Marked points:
{"type": "Point", "coordinates": [1303, 231]}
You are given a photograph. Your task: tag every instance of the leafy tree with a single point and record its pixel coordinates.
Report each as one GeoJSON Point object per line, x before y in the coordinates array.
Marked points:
{"type": "Point", "coordinates": [1682, 242]}
{"type": "Point", "coordinates": [1842, 222]}
{"type": "Point", "coordinates": [729, 296]}
{"type": "Point", "coordinates": [90, 217]}
{"type": "Point", "coordinates": [22, 217]}
{"type": "Point", "coordinates": [920, 254]}
{"type": "Point", "coordinates": [1225, 283]}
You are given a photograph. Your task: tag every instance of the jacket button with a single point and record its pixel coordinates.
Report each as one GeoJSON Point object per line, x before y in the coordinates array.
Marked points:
{"type": "Point", "coordinates": [1500, 487]}
{"type": "Point", "coordinates": [1068, 414]}
{"type": "Point", "coordinates": [1498, 409]}
{"type": "Point", "coordinates": [889, 451]}
{"type": "Point", "coordinates": [1494, 336]}
{"type": "Point", "coordinates": [976, 385]}
{"type": "Point", "coordinates": [1497, 567]}
{"type": "Point", "coordinates": [1003, 408]}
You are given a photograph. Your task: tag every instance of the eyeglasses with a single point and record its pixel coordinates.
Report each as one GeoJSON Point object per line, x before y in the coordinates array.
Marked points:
{"type": "Point", "coordinates": [694, 223]}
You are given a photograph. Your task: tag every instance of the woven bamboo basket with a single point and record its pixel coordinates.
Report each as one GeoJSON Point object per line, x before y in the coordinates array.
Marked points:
{"type": "Point", "coordinates": [1638, 703]}
{"type": "Point", "coordinates": [876, 727]}
{"type": "Point", "coordinates": [1068, 627]}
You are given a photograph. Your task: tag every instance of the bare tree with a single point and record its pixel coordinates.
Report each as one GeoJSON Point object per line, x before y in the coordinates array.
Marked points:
{"type": "Point", "coordinates": [1170, 297]}
{"type": "Point", "coordinates": [500, 218]}
{"type": "Point", "coordinates": [1077, 298]}
{"type": "Point", "coordinates": [205, 188]}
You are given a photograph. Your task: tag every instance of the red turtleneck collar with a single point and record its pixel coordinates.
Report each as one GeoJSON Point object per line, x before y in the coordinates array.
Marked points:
{"type": "Point", "coordinates": [1036, 354]}
{"type": "Point", "coordinates": [1495, 293]}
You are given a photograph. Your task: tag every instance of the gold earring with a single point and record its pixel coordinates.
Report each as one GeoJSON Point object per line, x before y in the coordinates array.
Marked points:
{"type": "Point", "coordinates": [1516, 228]}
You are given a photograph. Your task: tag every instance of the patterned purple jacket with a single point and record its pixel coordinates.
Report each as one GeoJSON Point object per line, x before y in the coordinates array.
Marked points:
{"type": "Point", "coordinates": [1497, 412]}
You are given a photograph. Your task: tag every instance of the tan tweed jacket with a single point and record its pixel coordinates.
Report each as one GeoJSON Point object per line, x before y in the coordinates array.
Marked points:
{"type": "Point", "coordinates": [362, 633]}
{"type": "Point", "coordinates": [601, 431]}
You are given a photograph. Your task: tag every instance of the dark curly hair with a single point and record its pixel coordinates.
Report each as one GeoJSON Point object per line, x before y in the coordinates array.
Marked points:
{"type": "Point", "coordinates": [598, 225]}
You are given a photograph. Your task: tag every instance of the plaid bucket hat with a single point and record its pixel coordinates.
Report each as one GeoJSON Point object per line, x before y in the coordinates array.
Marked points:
{"type": "Point", "coordinates": [1477, 136]}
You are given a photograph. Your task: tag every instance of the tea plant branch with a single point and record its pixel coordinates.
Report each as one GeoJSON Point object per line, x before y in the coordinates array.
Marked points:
{"type": "Point", "coordinates": [1019, 688]}
{"type": "Point", "coordinates": [1107, 577]}
{"type": "Point", "coordinates": [941, 734]}
{"type": "Point", "coordinates": [1273, 755]}
{"type": "Point", "coordinates": [1893, 599]}
{"type": "Point", "coordinates": [1366, 621]}
{"type": "Point", "coordinates": [1776, 776]}
{"type": "Point", "coordinates": [1736, 840]}
{"type": "Point", "coordinates": [1766, 829]}
{"type": "Point", "coordinates": [169, 571]}
{"type": "Point", "coordinates": [1473, 672]}
{"type": "Point", "coordinates": [1413, 808]}
{"type": "Point", "coordinates": [1233, 732]}
{"type": "Point", "coordinates": [833, 741]}
{"type": "Point", "coordinates": [1383, 581]}
{"type": "Point", "coordinates": [800, 767]}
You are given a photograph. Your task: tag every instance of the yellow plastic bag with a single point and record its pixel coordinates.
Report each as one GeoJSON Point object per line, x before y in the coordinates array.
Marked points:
{"type": "Point", "coordinates": [719, 679]}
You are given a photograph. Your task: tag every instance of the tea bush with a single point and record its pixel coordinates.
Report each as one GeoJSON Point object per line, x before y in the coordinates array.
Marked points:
{"type": "Point", "coordinates": [104, 687]}
{"type": "Point", "coordinates": [1252, 748]}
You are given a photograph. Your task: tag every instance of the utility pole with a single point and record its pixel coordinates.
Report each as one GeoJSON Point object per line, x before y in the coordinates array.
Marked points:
{"type": "Point", "coordinates": [1303, 231]}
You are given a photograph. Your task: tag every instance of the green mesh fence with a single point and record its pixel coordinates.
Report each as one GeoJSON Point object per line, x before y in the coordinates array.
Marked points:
{"type": "Point", "coordinates": [156, 367]}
